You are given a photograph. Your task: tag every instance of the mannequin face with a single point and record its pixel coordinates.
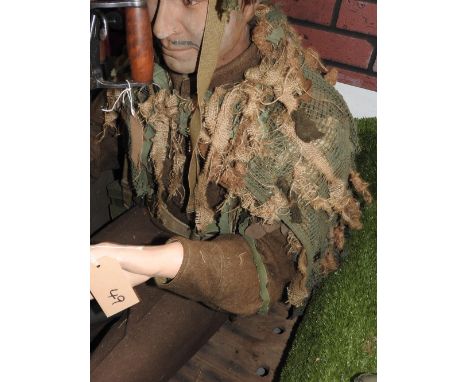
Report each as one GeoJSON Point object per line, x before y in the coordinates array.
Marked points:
{"type": "Point", "coordinates": [178, 26]}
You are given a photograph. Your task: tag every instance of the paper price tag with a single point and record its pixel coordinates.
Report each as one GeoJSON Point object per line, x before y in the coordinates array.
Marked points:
{"type": "Point", "coordinates": [110, 287]}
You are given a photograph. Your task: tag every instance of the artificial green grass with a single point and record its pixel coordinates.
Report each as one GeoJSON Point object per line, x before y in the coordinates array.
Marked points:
{"type": "Point", "coordinates": [366, 161]}
{"type": "Point", "coordinates": [337, 336]}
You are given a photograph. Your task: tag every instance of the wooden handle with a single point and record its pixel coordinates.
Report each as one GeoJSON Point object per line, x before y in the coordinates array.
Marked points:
{"type": "Point", "coordinates": [139, 43]}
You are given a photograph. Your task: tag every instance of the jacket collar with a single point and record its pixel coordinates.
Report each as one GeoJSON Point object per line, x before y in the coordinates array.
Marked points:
{"type": "Point", "coordinates": [231, 73]}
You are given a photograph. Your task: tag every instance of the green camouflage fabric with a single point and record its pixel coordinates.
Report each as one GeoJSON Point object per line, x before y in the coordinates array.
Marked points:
{"type": "Point", "coordinates": [282, 143]}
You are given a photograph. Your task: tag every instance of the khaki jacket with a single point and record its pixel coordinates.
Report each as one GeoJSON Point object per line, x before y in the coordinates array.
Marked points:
{"type": "Point", "coordinates": [220, 272]}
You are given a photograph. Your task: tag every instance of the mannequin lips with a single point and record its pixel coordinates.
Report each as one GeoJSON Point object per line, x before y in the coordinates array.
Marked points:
{"type": "Point", "coordinates": [176, 49]}
{"type": "Point", "coordinates": [179, 53]}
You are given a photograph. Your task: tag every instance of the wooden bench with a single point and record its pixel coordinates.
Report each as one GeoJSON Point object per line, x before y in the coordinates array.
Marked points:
{"type": "Point", "coordinates": [243, 349]}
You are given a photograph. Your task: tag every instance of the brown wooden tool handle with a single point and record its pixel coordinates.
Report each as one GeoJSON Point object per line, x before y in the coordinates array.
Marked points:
{"type": "Point", "coordinates": [139, 43]}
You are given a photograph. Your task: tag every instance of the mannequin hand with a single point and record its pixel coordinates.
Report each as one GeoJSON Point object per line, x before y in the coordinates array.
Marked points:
{"type": "Point", "coordinates": [143, 261]}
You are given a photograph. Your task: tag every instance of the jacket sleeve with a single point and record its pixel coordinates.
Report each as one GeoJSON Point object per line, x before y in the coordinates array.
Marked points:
{"type": "Point", "coordinates": [103, 150]}
{"type": "Point", "coordinates": [221, 273]}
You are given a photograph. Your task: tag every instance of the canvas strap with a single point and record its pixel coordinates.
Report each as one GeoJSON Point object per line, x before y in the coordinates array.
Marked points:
{"type": "Point", "coordinates": [214, 29]}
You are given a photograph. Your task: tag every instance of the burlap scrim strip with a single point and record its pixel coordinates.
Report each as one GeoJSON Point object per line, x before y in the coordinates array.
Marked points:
{"type": "Point", "coordinates": [252, 148]}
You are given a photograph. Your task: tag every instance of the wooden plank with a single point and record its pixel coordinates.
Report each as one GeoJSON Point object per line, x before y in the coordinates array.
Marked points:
{"type": "Point", "coordinates": [241, 348]}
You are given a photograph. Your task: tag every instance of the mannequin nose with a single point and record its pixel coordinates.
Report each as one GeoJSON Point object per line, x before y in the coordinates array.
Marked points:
{"type": "Point", "coordinates": [164, 23]}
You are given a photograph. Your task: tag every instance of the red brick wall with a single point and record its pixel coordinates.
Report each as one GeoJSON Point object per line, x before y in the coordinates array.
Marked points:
{"type": "Point", "coordinates": [344, 32]}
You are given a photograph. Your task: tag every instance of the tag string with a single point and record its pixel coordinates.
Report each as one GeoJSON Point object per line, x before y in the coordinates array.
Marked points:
{"type": "Point", "coordinates": [127, 92]}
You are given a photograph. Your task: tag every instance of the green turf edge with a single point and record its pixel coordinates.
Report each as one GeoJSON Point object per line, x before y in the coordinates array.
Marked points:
{"type": "Point", "coordinates": [366, 160]}
{"type": "Point", "coordinates": [337, 336]}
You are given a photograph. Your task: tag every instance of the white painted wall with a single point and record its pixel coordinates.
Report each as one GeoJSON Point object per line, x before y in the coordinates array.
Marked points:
{"type": "Point", "coordinates": [361, 102]}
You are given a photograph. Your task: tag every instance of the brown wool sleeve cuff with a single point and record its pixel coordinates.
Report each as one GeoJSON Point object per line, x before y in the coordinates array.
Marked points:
{"type": "Point", "coordinates": [219, 273]}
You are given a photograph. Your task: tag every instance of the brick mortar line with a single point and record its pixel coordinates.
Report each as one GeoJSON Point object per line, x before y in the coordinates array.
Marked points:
{"type": "Point", "coordinates": [336, 13]}
{"type": "Point", "coordinates": [340, 65]}
{"type": "Point", "coordinates": [344, 32]}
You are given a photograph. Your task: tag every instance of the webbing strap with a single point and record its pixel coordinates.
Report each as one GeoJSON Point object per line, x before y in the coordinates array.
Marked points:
{"type": "Point", "coordinates": [127, 193]}
{"type": "Point", "coordinates": [173, 224]}
{"type": "Point", "coordinates": [214, 29]}
{"type": "Point", "coordinates": [212, 37]}
{"type": "Point", "coordinates": [137, 139]}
